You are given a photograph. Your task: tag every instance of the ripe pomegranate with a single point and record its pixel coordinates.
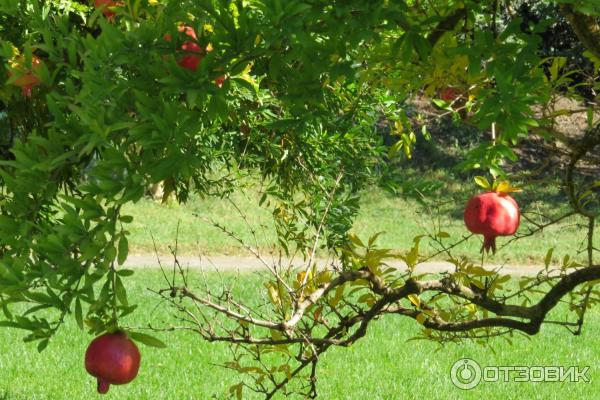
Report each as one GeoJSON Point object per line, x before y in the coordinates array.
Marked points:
{"type": "Point", "coordinates": [449, 94]}
{"type": "Point", "coordinates": [193, 53]}
{"type": "Point", "coordinates": [112, 358]}
{"type": "Point", "coordinates": [191, 61]}
{"type": "Point", "coordinates": [492, 214]}
{"type": "Point", "coordinates": [108, 9]}
{"type": "Point", "coordinates": [27, 78]}
{"type": "Point", "coordinates": [191, 47]}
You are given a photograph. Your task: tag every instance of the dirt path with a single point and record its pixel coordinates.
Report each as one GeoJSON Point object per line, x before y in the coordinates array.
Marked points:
{"type": "Point", "coordinates": [241, 263]}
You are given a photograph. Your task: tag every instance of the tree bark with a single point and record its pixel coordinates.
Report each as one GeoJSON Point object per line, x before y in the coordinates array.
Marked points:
{"type": "Point", "coordinates": [585, 27]}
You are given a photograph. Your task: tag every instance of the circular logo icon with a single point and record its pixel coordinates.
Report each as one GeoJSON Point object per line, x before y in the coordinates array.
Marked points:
{"type": "Point", "coordinates": [465, 374]}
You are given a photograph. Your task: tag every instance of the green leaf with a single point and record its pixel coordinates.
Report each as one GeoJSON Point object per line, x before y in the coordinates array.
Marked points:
{"type": "Point", "coordinates": [126, 219]}
{"type": "Point", "coordinates": [6, 311]}
{"type": "Point", "coordinates": [110, 254]}
{"type": "Point", "coordinates": [12, 324]}
{"type": "Point", "coordinates": [217, 108]}
{"type": "Point", "coordinates": [123, 250]}
{"type": "Point", "coordinates": [120, 291]}
{"type": "Point", "coordinates": [483, 182]}
{"type": "Point", "coordinates": [442, 104]}
{"type": "Point", "coordinates": [275, 66]}
{"type": "Point", "coordinates": [78, 313]}
{"type": "Point", "coordinates": [146, 339]}
{"type": "Point", "coordinates": [237, 390]}
{"type": "Point", "coordinates": [38, 297]}
{"type": "Point", "coordinates": [373, 238]}
{"type": "Point", "coordinates": [339, 293]}
{"type": "Point", "coordinates": [548, 258]}
{"type": "Point", "coordinates": [566, 260]}
{"type": "Point", "coordinates": [356, 240]}
{"type": "Point", "coordinates": [43, 344]}
{"type": "Point", "coordinates": [367, 298]}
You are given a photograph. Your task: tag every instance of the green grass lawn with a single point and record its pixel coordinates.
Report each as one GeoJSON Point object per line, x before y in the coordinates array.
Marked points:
{"type": "Point", "coordinates": [383, 365]}
{"type": "Point", "coordinates": [400, 218]}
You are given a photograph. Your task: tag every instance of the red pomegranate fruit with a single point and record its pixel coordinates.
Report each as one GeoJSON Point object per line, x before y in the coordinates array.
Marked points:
{"type": "Point", "coordinates": [492, 214]}
{"type": "Point", "coordinates": [449, 94]}
{"type": "Point", "coordinates": [108, 10]}
{"type": "Point", "coordinates": [191, 61]}
{"type": "Point", "coordinates": [113, 359]}
{"type": "Point", "coordinates": [191, 47]}
{"type": "Point", "coordinates": [219, 80]}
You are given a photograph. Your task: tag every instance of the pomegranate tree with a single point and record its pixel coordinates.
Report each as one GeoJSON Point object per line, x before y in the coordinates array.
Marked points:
{"type": "Point", "coordinates": [492, 214]}
{"type": "Point", "coordinates": [113, 359]}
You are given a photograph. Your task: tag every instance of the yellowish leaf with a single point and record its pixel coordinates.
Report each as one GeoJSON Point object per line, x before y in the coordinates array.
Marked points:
{"type": "Point", "coordinates": [415, 300]}
{"type": "Point", "coordinates": [483, 182]}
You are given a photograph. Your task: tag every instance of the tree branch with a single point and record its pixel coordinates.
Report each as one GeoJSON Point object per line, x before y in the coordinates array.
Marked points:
{"type": "Point", "coordinates": [585, 27]}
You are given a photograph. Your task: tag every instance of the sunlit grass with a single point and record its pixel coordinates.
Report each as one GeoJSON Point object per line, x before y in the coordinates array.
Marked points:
{"type": "Point", "coordinates": [401, 219]}
{"type": "Point", "coordinates": [383, 365]}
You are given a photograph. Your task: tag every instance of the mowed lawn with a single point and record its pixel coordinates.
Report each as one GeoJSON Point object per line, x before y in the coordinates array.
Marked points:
{"type": "Point", "coordinates": [383, 365]}
{"type": "Point", "coordinates": [400, 219]}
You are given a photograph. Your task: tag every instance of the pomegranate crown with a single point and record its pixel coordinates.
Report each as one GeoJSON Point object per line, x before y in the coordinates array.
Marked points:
{"type": "Point", "coordinates": [498, 186]}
